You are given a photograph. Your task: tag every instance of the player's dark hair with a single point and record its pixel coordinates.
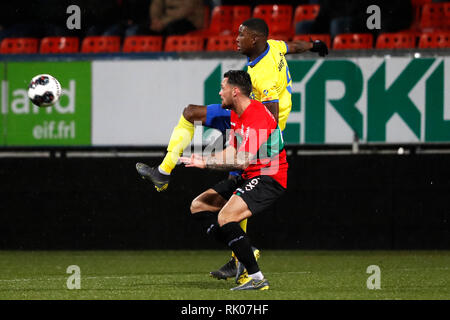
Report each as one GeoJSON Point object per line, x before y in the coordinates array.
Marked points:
{"type": "Point", "coordinates": [240, 79]}
{"type": "Point", "coordinates": [257, 25]}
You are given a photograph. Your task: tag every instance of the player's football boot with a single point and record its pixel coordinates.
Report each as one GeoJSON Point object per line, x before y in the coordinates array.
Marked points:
{"type": "Point", "coordinates": [251, 284]}
{"type": "Point", "coordinates": [241, 273]}
{"type": "Point", "coordinates": [160, 181]}
{"type": "Point", "coordinates": [228, 270]}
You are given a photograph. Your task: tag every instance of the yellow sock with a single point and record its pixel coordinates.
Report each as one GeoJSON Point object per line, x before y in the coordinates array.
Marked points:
{"type": "Point", "coordinates": [243, 225]}
{"type": "Point", "coordinates": [181, 137]}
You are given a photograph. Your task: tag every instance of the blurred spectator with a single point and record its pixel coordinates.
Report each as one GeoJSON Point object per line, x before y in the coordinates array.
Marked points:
{"type": "Point", "coordinates": [350, 16]}
{"type": "Point", "coordinates": [173, 17]}
{"type": "Point", "coordinates": [135, 17]}
{"type": "Point", "coordinates": [334, 17]}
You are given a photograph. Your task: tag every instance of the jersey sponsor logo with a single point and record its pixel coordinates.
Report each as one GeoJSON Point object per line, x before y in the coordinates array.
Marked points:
{"type": "Point", "coordinates": [248, 187]}
{"type": "Point", "coordinates": [253, 183]}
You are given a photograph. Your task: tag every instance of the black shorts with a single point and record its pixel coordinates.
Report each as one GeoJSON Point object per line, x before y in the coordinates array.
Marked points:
{"type": "Point", "coordinates": [259, 193]}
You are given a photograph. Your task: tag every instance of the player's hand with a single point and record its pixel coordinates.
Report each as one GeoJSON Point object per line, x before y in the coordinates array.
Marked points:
{"type": "Point", "coordinates": [194, 161]}
{"type": "Point", "coordinates": [320, 47]}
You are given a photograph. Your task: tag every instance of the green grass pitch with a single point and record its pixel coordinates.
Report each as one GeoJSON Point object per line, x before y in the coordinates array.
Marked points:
{"type": "Point", "coordinates": [168, 275]}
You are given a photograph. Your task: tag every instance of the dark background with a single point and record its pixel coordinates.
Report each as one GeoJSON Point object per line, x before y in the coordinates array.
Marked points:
{"type": "Point", "coordinates": [333, 202]}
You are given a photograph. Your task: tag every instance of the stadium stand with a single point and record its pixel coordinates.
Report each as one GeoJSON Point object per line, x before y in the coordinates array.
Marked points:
{"type": "Point", "coordinates": [429, 29]}
{"type": "Point", "coordinates": [417, 11]}
{"type": "Point", "coordinates": [184, 43]}
{"type": "Point", "coordinates": [433, 16]}
{"type": "Point", "coordinates": [240, 14]}
{"type": "Point", "coordinates": [353, 41]}
{"type": "Point", "coordinates": [19, 45]}
{"type": "Point", "coordinates": [221, 20]}
{"type": "Point", "coordinates": [221, 43]}
{"type": "Point", "coordinates": [306, 12]}
{"type": "Point", "coordinates": [437, 39]}
{"type": "Point", "coordinates": [143, 44]}
{"type": "Point", "coordinates": [277, 17]}
{"type": "Point", "coordinates": [59, 45]}
{"type": "Point", "coordinates": [399, 40]}
{"type": "Point", "coordinates": [100, 44]}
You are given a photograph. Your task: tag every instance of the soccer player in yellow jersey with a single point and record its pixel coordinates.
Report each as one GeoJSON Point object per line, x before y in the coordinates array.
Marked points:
{"type": "Point", "coordinates": [271, 85]}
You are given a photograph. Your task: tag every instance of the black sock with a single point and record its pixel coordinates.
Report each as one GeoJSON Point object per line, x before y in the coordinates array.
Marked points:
{"type": "Point", "coordinates": [208, 220]}
{"type": "Point", "coordinates": [238, 241]}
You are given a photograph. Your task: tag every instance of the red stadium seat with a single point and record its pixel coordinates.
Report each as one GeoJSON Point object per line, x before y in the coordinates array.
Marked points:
{"type": "Point", "coordinates": [433, 16]}
{"type": "Point", "coordinates": [399, 40]}
{"type": "Point", "coordinates": [277, 17]}
{"type": "Point", "coordinates": [59, 45]}
{"type": "Point", "coordinates": [221, 43]}
{"type": "Point", "coordinates": [306, 12]}
{"type": "Point", "coordinates": [19, 45]}
{"type": "Point", "coordinates": [240, 14]}
{"type": "Point", "coordinates": [143, 44]}
{"type": "Point", "coordinates": [221, 20]}
{"type": "Point", "coordinates": [100, 44]}
{"type": "Point", "coordinates": [353, 41]}
{"type": "Point", "coordinates": [416, 12]}
{"type": "Point", "coordinates": [306, 37]}
{"type": "Point", "coordinates": [437, 39]}
{"type": "Point", "coordinates": [447, 15]}
{"type": "Point", "coordinates": [184, 43]}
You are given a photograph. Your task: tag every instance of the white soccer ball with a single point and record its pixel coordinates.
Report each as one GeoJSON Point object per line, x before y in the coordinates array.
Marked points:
{"type": "Point", "coordinates": [44, 90]}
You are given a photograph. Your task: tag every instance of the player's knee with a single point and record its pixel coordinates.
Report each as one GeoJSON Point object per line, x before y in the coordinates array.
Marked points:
{"type": "Point", "coordinates": [196, 206]}
{"type": "Point", "coordinates": [190, 114]}
{"type": "Point", "coordinates": [223, 219]}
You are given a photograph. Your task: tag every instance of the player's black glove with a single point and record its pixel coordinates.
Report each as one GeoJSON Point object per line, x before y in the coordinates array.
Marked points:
{"type": "Point", "coordinates": [320, 47]}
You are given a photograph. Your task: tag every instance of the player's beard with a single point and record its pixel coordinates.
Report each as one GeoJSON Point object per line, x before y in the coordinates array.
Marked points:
{"type": "Point", "coordinates": [224, 106]}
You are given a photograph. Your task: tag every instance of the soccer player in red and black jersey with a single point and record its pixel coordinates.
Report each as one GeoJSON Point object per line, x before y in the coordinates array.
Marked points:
{"type": "Point", "coordinates": [256, 147]}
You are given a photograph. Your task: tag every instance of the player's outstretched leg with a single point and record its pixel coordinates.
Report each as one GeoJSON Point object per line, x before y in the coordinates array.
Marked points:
{"type": "Point", "coordinates": [181, 138]}
{"type": "Point", "coordinates": [161, 181]}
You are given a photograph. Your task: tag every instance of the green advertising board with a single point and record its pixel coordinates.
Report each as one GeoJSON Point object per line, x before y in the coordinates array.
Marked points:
{"type": "Point", "coordinates": [68, 122]}
{"type": "Point", "coordinates": [374, 99]}
{"type": "Point", "coordinates": [3, 95]}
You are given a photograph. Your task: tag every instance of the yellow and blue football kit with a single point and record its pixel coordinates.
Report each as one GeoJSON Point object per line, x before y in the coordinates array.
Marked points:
{"type": "Point", "coordinates": [271, 82]}
{"type": "Point", "coordinates": [271, 79]}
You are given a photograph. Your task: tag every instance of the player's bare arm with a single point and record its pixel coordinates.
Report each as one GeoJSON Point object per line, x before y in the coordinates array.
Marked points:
{"type": "Point", "coordinates": [300, 46]}
{"type": "Point", "coordinates": [226, 160]}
